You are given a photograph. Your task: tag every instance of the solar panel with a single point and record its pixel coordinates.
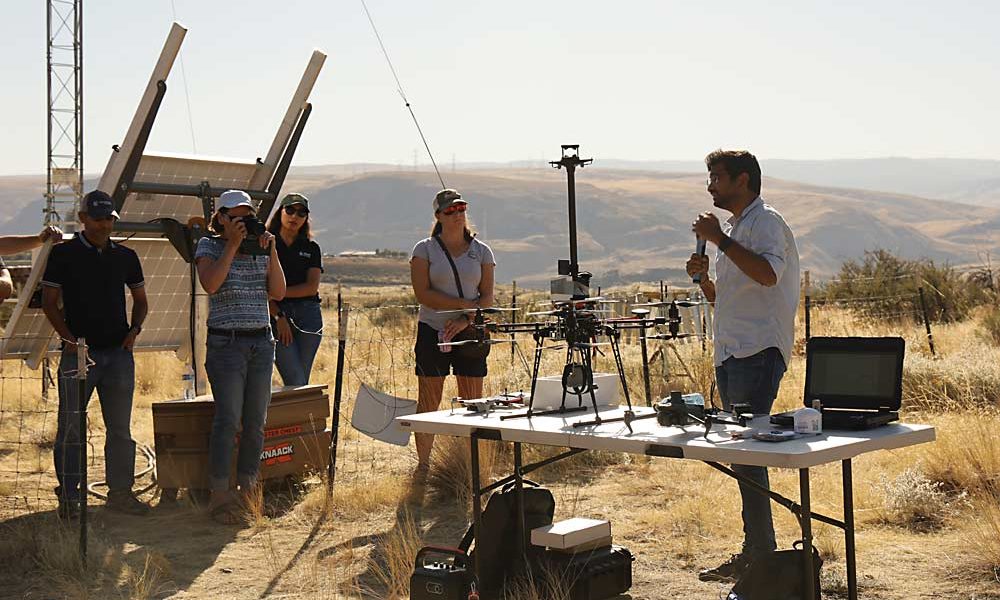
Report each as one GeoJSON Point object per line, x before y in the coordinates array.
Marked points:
{"type": "Point", "coordinates": [168, 288]}
{"type": "Point", "coordinates": [177, 169]}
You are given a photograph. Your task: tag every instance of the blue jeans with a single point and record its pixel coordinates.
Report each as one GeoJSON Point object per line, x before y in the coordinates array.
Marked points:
{"type": "Point", "coordinates": [239, 371]}
{"type": "Point", "coordinates": [295, 360]}
{"type": "Point", "coordinates": [112, 373]}
{"type": "Point", "coordinates": [753, 380]}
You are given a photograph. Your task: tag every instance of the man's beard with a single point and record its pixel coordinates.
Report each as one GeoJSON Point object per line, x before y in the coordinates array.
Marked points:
{"type": "Point", "coordinates": [722, 202]}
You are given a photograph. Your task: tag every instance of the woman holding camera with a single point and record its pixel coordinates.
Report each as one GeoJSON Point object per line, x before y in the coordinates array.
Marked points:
{"type": "Point", "coordinates": [240, 275]}
{"type": "Point", "coordinates": [449, 270]}
{"type": "Point", "coordinates": [297, 319]}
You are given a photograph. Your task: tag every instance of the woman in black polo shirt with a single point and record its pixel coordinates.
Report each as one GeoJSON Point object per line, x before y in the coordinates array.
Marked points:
{"type": "Point", "coordinates": [298, 321]}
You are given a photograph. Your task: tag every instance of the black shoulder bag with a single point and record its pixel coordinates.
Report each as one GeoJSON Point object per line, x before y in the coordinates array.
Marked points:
{"type": "Point", "coordinates": [481, 348]}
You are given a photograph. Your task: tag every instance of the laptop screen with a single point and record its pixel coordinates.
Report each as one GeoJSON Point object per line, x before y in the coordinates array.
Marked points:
{"type": "Point", "coordinates": [855, 373]}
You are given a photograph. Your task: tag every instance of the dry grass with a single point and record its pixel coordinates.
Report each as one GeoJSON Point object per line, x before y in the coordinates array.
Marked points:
{"type": "Point", "coordinates": [983, 530]}
{"type": "Point", "coordinates": [394, 563]}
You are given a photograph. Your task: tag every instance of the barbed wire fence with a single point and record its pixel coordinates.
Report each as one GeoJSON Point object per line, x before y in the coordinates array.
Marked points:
{"type": "Point", "coordinates": [903, 310]}
{"type": "Point", "coordinates": [30, 419]}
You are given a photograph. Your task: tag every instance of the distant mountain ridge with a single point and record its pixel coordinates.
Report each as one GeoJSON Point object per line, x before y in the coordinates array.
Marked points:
{"type": "Point", "coordinates": [633, 224]}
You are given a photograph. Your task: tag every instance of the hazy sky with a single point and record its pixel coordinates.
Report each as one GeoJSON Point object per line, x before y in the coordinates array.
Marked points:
{"type": "Point", "coordinates": [658, 79]}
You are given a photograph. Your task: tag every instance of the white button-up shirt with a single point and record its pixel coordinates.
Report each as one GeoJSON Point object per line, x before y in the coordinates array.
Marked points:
{"type": "Point", "coordinates": [750, 317]}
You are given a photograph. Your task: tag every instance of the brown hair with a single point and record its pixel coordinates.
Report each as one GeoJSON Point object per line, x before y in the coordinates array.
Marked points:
{"type": "Point", "coordinates": [274, 225]}
{"type": "Point", "coordinates": [737, 162]}
{"type": "Point", "coordinates": [436, 230]}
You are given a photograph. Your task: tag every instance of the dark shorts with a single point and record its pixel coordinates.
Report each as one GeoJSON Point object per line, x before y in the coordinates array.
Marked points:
{"type": "Point", "coordinates": [431, 362]}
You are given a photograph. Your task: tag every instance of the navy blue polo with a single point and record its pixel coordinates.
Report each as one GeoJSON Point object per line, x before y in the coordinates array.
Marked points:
{"type": "Point", "coordinates": [297, 259]}
{"type": "Point", "coordinates": [93, 285]}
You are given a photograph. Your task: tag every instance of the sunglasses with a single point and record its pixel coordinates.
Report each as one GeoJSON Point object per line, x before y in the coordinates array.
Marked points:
{"type": "Point", "coordinates": [454, 208]}
{"type": "Point", "coordinates": [302, 212]}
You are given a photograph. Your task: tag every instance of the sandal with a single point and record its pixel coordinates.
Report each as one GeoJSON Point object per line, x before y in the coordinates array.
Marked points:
{"type": "Point", "coordinates": [228, 513]}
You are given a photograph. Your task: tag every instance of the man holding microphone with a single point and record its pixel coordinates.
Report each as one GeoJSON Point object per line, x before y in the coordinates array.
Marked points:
{"type": "Point", "coordinates": [756, 295]}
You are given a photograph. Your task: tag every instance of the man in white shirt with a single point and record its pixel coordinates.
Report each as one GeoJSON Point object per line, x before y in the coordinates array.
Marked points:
{"type": "Point", "coordinates": [756, 295]}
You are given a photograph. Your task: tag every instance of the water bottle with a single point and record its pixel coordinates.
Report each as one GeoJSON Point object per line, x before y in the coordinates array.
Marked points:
{"type": "Point", "coordinates": [808, 420]}
{"type": "Point", "coordinates": [187, 383]}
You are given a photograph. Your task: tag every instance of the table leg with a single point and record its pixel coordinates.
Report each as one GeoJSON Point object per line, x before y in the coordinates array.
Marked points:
{"type": "Point", "coordinates": [849, 548]}
{"type": "Point", "coordinates": [476, 504]}
{"type": "Point", "coordinates": [522, 533]}
{"type": "Point", "coordinates": [805, 521]}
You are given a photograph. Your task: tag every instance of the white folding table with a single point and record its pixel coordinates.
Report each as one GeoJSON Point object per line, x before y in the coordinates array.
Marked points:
{"type": "Point", "coordinates": [649, 438]}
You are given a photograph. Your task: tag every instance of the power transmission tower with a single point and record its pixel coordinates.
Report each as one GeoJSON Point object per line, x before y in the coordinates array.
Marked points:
{"type": "Point", "coordinates": [64, 53]}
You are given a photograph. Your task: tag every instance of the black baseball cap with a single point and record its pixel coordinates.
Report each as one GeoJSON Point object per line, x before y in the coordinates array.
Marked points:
{"type": "Point", "coordinates": [99, 205]}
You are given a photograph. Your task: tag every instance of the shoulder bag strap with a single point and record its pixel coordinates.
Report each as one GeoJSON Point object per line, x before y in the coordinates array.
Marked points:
{"type": "Point", "coordinates": [454, 269]}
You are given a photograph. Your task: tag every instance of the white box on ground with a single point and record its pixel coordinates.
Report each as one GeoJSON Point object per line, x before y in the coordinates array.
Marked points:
{"type": "Point", "coordinates": [571, 532]}
{"type": "Point", "coordinates": [548, 392]}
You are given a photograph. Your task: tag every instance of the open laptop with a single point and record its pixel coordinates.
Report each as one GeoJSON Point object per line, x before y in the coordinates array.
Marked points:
{"type": "Point", "coordinates": [858, 381]}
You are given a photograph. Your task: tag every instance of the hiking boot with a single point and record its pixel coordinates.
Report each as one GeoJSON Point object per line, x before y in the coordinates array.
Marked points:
{"type": "Point", "coordinates": [728, 572]}
{"type": "Point", "coordinates": [124, 501]}
{"type": "Point", "coordinates": [69, 510]}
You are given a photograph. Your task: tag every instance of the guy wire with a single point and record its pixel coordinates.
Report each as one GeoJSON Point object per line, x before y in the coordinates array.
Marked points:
{"type": "Point", "coordinates": [399, 88]}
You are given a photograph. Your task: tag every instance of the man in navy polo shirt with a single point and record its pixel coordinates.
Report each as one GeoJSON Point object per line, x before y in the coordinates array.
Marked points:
{"type": "Point", "coordinates": [89, 274]}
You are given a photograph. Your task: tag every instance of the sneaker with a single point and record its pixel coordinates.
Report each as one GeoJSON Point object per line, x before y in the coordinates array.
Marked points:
{"type": "Point", "coordinates": [124, 501]}
{"type": "Point", "coordinates": [69, 510]}
{"type": "Point", "coordinates": [728, 572]}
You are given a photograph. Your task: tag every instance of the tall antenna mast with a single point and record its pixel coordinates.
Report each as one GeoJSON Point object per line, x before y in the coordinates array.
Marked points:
{"type": "Point", "coordinates": [64, 58]}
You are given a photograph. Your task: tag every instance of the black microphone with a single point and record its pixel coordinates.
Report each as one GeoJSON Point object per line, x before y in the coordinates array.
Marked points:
{"type": "Point", "coordinates": [699, 249]}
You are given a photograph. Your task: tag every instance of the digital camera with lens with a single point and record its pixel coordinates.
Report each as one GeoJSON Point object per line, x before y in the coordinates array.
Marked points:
{"type": "Point", "coordinates": [251, 243]}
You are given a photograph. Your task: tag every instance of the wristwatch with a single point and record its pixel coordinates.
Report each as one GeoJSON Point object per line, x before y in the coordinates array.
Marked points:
{"type": "Point", "coordinates": [724, 243]}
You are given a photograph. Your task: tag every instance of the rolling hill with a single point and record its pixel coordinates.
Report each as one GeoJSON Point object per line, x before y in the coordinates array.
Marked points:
{"type": "Point", "coordinates": [633, 225]}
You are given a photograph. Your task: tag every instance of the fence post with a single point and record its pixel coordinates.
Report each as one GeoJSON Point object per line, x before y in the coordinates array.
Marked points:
{"type": "Point", "coordinates": [513, 318]}
{"type": "Point", "coordinates": [81, 383]}
{"type": "Point", "coordinates": [45, 379]}
{"type": "Point", "coordinates": [808, 302]}
{"type": "Point", "coordinates": [927, 321]}
{"type": "Point", "coordinates": [343, 316]}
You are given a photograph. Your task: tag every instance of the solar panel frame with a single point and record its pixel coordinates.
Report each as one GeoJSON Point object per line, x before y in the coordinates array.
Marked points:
{"type": "Point", "coordinates": [169, 279]}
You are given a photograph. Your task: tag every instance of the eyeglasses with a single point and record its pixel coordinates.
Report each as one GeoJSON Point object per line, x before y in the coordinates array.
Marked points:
{"type": "Point", "coordinates": [291, 210]}
{"type": "Point", "coordinates": [454, 208]}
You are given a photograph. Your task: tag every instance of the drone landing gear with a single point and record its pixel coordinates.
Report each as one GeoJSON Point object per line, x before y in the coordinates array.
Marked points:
{"type": "Point", "coordinates": [630, 416]}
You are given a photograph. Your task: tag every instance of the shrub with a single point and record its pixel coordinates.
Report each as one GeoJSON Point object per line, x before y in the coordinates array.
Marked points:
{"type": "Point", "coordinates": [914, 501]}
{"type": "Point", "coordinates": [991, 326]}
{"type": "Point", "coordinates": [893, 284]}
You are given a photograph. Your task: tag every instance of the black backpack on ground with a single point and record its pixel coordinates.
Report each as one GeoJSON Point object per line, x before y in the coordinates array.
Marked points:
{"type": "Point", "coordinates": [777, 576]}
{"type": "Point", "coordinates": [498, 552]}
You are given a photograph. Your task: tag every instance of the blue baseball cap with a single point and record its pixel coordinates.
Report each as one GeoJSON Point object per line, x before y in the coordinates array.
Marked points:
{"type": "Point", "coordinates": [99, 205]}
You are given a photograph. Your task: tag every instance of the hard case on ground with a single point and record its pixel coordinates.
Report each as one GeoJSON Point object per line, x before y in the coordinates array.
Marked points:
{"type": "Point", "coordinates": [592, 575]}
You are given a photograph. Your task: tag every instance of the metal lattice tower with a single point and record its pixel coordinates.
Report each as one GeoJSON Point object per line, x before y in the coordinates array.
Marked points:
{"type": "Point", "coordinates": [64, 54]}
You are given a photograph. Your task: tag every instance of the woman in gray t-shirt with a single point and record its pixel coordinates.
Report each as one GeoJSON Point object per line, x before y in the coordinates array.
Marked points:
{"type": "Point", "coordinates": [436, 289]}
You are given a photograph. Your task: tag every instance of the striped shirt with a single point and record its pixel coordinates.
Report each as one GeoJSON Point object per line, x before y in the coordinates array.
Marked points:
{"type": "Point", "coordinates": [241, 300]}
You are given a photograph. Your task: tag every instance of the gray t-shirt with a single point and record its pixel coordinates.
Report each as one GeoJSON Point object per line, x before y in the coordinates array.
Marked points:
{"type": "Point", "coordinates": [241, 300]}
{"type": "Point", "coordinates": [442, 278]}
